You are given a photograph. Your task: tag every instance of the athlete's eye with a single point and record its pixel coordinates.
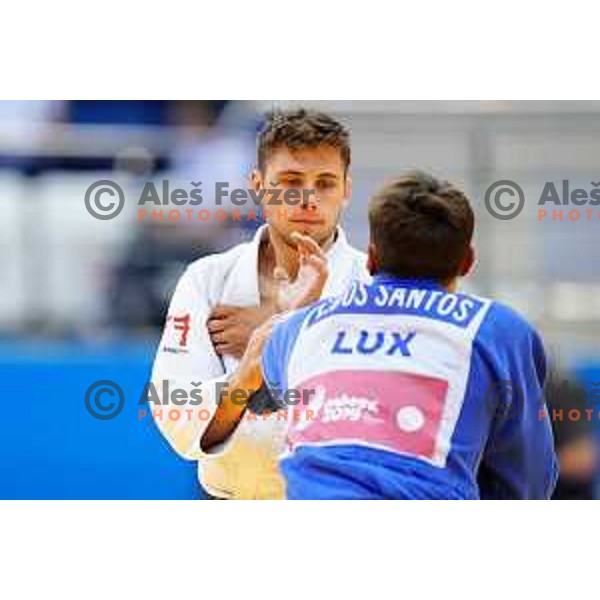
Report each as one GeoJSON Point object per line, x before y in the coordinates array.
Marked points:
{"type": "Point", "coordinates": [326, 184]}
{"type": "Point", "coordinates": [295, 182]}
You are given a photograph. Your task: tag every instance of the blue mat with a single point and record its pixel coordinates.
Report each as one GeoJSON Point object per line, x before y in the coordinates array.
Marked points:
{"type": "Point", "coordinates": [52, 447]}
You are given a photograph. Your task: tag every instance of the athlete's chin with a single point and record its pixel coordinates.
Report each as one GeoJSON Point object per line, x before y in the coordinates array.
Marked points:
{"type": "Point", "coordinates": [311, 228]}
{"type": "Point", "coordinates": [318, 231]}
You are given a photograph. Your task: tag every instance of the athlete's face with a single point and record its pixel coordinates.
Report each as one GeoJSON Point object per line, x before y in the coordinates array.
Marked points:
{"type": "Point", "coordinates": [323, 191]}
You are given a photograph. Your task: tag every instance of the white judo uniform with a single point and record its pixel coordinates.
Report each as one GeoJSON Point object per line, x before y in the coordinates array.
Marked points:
{"type": "Point", "coordinates": [246, 465]}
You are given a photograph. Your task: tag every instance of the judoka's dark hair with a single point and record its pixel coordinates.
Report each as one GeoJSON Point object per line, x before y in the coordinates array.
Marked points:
{"type": "Point", "coordinates": [421, 227]}
{"type": "Point", "coordinates": [299, 129]}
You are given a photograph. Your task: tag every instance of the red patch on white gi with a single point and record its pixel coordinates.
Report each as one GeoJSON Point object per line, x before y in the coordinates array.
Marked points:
{"type": "Point", "coordinates": [182, 325]}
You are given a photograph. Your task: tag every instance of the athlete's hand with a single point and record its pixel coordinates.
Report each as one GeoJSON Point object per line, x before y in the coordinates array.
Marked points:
{"type": "Point", "coordinates": [311, 278]}
{"type": "Point", "coordinates": [230, 327]}
{"type": "Point", "coordinates": [246, 377]}
{"type": "Point", "coordinates": [249, 370]}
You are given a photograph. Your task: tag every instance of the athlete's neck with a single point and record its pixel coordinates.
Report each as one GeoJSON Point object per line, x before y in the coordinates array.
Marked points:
{"type": "Point", "coordinates": [452, 285]}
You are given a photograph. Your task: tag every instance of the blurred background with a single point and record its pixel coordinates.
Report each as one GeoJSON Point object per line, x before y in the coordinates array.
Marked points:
{"type": "Point", "coordinates": [84, 299]}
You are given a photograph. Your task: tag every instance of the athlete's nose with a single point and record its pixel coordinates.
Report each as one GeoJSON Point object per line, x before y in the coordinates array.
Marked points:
{"type": "Point", "coordinates": [310, 201]}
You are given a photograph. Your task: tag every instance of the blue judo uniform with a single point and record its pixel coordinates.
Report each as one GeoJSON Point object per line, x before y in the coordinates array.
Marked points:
{"type": "Point", "coordinates": [405, 390]}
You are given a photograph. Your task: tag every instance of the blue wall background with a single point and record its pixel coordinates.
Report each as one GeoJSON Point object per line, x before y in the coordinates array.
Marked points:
{"type": "Point", "coordinates": [50, 445]}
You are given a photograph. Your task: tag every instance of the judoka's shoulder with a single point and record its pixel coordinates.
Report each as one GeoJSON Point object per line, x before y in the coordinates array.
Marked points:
{"type": "Point", "coordinates": [502, 319]}
{"type": "Point", "coordinates": [354, 255]}
{"type": "Point", "coordinates": [505, 331]}
{"type": "Point", "coordinates": [291, 322]}
{"type": "Point", "coordinates": [218, 260]}
{"type": "Point", "coordinates": [358, 259]}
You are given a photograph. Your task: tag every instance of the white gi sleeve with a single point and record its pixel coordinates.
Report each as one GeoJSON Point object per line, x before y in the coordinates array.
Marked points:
{"type": "Point", "coordinates": [187, 363]}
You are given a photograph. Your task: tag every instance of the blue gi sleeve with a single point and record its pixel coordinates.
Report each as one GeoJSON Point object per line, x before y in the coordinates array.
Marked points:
{"type": "Point", "coordinates": [278, 349]}
{"type": "Point", "coordinates": [519, 461]}
{"type": "Point", "coordinates": [273, 368]}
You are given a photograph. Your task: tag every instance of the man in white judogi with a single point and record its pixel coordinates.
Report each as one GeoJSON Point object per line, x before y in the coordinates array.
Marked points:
{"type": "Point", "coordinates": [222, 298]}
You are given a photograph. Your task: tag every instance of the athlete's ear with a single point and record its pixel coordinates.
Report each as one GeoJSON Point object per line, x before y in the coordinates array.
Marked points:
{"type": "Point", "coordinates": [347, 190]}
{"type": "Point", "coordinates": [372, 260]}
{"type": "Point", "coordinates": [468, 262]}
{"type": "Point", "coordinates": [255, 180]}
